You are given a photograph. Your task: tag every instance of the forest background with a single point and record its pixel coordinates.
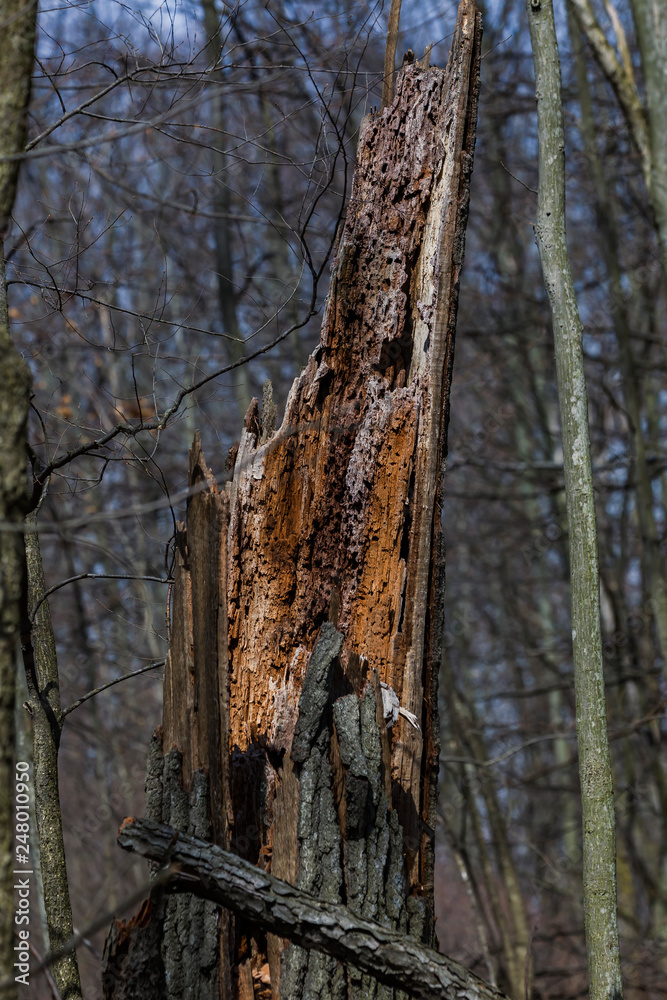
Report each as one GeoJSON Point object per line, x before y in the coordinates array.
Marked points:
{"type": "Point", "coordinates": [187, 171]}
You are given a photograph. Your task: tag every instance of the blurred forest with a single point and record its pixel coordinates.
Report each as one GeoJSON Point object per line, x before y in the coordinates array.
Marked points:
{"type": "Point", "coordinates": [187, 172]}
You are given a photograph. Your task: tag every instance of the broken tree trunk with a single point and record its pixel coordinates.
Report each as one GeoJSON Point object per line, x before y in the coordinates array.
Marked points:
{"type": "Point", "coordinates": [329, 538]}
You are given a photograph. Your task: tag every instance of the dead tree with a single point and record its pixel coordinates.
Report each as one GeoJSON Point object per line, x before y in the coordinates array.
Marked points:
{"type": "Point", "coordinates": [308, 594]}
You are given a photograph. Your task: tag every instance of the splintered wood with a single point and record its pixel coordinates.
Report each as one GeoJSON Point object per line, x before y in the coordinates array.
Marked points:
{"type": "Point", "coordinates": [322, 560]}
{"type": "Point", "coordinates": [337, 514]}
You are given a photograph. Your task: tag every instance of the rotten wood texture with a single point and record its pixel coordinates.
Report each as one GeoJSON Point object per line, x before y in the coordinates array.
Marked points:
{"type": "Point", "coordinates": [183, 947]}
{"type": "Point", "coordinates": [331, 929]}
{"type": "Point", "coordinates": [318, 575]}
{"type": "Point", "coordinates": [196, 683]}
{"type": "Point", "coordinates": [131, 966]}
{"type": "Point", "coordinates": [337, 514]}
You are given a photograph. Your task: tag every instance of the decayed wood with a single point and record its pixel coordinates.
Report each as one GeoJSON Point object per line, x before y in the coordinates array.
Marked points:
{"type": "Point", "coordinates": [214, 874]}
{"type": "Point", "coordinates": [337, 514]}
{"type": "Point", "coordinates": [195, 710]}
{"type": "Point", "coordinates": [334, 584]}
{"type": "Point", "coordinates": [182, 947]}
{"type": "Point", "coordinates": [131, 964]}
{"type": "Point", "coordinates": [195, 729]}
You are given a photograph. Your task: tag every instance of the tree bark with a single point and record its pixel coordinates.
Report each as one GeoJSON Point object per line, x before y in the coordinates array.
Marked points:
{"type": "Point", "coordinates": [651, 21]}
{"type": "Point", "coordinates": [207, 871]}
{"type": "Point", "coordinates": [334, 527]}
{"type": "Point", "coordinates": [16, 60]}
{"type": "Point", "coordinates": [41, 665]}
{"type": "Point", "coordinates": [597, 794]}
{"type": "Point", "coordinates": [224, 238]}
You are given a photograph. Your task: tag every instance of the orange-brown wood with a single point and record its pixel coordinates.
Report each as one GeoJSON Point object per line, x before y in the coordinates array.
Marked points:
{"type": "Point", "coordinates": [335, 517]}
{"type": "Point", "coordinates": [340, 508]}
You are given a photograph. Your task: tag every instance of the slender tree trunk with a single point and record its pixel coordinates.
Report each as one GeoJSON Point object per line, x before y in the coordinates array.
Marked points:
{"type": "Point", "coordinates": [647, 125]}
{"type": "Point", "coordinates": [13, 414]}
{"type": "Point", "coordinates": [41, 663]}
{"type": "Point", "coordinates": [651, 21]}
{"type": "Point", "coordinates": [390, 53]}
{"type": "Point", "coordinates": [224, 260]}
{"type": "Point", "coordinates": [16, 61]}
{"type": "Point", "coordinates": [655, 586]}
{"type": "Point", "coordinates": [620, 75]}
{"type": "Point", "coordinates": [318, 577]}
{"type": "Point", "coordinates": [599, 841]}
{"type": "Point", "coordinates": [654, 578]}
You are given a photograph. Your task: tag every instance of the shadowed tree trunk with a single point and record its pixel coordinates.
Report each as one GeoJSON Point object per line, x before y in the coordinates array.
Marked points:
{"type": "Point", "coordinates": [651, 21]}
{"type": "Point", "coordinates": [308, 596]}
{"type": "Point", "coordinates": [16, 60]}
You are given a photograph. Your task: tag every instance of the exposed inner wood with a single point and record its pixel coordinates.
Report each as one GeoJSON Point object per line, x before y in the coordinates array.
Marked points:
{"type": "Point", "coordinates": [331, 525]}
{"type": "Point", "coordinates": [340, 507]}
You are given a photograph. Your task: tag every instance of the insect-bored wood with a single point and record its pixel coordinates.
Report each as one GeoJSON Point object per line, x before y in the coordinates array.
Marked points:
{"type": "Point", "coordinates": [334, 570]}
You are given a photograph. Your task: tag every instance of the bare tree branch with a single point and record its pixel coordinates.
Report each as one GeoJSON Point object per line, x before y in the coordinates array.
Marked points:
{"type": "Point", "coordinates": [211, 873]}
{"type": "Point", "coordinates": [94, 576]}
{"type": "Point", "coordinates": [103, 687]}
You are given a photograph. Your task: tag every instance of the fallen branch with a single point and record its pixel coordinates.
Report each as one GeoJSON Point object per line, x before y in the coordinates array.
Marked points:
{"type": "Point", "coordinates": [209, 872]}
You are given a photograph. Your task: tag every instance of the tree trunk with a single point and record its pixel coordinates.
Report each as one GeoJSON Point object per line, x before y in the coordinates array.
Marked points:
{"type": "Point", "coordinates": [16, 60]}
{"type": "Point", "coordinates": [390, 53]}
{"type": "Point", "coordinates": [223, 233]}
{"type": "Point", "coordinates": [41, 667]}
{"type": "Point", "coordinates": [597, 793]}
{"type": "Point", "coordinates": [655, 585]}
{"type": "Point", "coordinates": [647, 125]}
{"type": "Point", "coordinates": [334, 581]}
{"type": "Point", "coordinates": [651, 21]}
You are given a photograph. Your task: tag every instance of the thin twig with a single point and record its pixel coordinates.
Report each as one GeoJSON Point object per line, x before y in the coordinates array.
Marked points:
{"type": "Point", "coordinates": [517, 179]}
{"type": "Point", "coordinates": [116, 680]}
{"type": "Point", "coordinates": [92, 576]}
